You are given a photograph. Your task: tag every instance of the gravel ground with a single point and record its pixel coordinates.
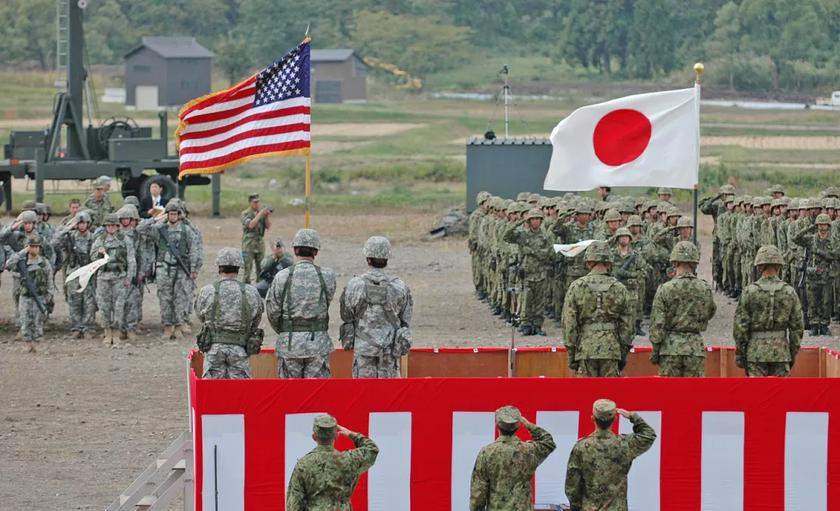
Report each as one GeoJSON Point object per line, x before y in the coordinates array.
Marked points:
{"type": "Point", "coordinates": [80, 421]}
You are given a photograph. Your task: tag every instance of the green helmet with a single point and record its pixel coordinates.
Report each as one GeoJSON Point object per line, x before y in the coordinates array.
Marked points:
{"type": "Point", "coordinates": [377, 247]}
{"type": "Point", "coordinates": [627, 206]}
{"type": "Point", "coordinates": [664, 190]}
{"type": "Point", "coordinates": [776, 189]}
{"type": "Point", "coordinates": [28, 205]}
{"type": "Point", "coordinates": [33, 240]}
{"type": "Point", "coordinates": [534, 198]}
{"type": "Point", "coordinates": [173, 205]}
{"type": "Point", "coordinates": [685, 252]}
{"type": "Point", "coordinates": [83, 216]}
{"type": "Point", "coordinates": [769, 254]}
{"type": "Point", "coordinates": [635, 221]}
{"type": "Point", "coordinates": [522, 196]}
{"type": "Point", "coordinates": [534, 213]}
{"type": "Point", "coordinates": [127, 211]}
{"type": "Point", "coordinates": [598, 252]}
{"type": "Point", "coordinates": [674, 211]}
{"type": "Point", "coordinates": [307, 238]}
{"type": "Point", "coordinates": [111, 219]}
{"type": "Point", "coordinates": [229, 256]}
{"type": "Point", "coordinates": [623, 231]}
{"type": "Point", "coordinates": [822, 218]}
{"type": "Point", "coordinates": [28, 216]}
{"type": "Point", "coordinates": [612, 215]}
{"type": "Point", "coordinates": [727, 189]}
{"type": "Point", "coordinates": [583, 207]}
{"type": "Point", "coordinates": [832, 191]}
{"type": "Point", "coordinates": [685, 221]}
{"type": "Point", "coordinates": [762, 201]}
{"type": "Point", "coordinates": [133, 200]}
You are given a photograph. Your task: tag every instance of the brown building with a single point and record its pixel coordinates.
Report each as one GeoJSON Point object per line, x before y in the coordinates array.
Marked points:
{"type": "Point", "coordinates": [340, 75]}
{"type": "Point", "coordinates": [166, 71]}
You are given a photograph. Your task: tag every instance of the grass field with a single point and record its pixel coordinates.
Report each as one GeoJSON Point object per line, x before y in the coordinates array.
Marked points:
{"type": "Point", "coordinates": [407, 150]}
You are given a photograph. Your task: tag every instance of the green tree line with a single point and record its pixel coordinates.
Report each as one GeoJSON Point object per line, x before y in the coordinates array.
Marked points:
{"type": "Point", "coordinates": [775, 45]}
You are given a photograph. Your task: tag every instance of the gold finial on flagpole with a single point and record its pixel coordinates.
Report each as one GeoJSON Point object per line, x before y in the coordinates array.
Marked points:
{"type": "Point", "coordinates": [698, 72]}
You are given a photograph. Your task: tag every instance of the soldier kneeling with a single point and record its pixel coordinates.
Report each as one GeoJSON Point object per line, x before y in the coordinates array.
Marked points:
{"type": "Point", "coordinates": [230, 312]}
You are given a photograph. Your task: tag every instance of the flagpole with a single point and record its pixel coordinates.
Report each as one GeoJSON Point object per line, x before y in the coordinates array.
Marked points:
{"type": "Point", "coordinates": [698, 83]}
{"type": "Point", "coordinates": [307, 186]}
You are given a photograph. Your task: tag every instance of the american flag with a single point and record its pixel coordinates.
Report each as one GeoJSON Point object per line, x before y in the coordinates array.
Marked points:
{"type": "Point", "coordinates": [265, 115]}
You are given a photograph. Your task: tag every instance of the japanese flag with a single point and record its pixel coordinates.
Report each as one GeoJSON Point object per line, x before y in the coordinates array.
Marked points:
{"type": "Point", "coordinates": [643, 140]}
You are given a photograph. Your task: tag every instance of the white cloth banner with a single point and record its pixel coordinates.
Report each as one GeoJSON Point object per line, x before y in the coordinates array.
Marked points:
{"type": "Point", "coordinates": [642, 140]}
{"type": "Point", "coordinates": [85, 273]}
{"type": "Point", "coordinates": [573, 249]}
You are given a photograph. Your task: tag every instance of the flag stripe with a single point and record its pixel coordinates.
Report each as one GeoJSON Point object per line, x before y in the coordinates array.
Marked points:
{"type": "Point", "coordinates": [214, 98]}
{"type": "Point", "coordinates": [551, 474]}
{"type": "Point", "coordinates": [644, 477]}
{"type": "Point", "coordinates": [241, 98]}
{"type": "Point", "coordinates": [227, 434]}
{"type": "Point", "coordinates": [389, 479]}
{"type": "Point", "coordinates": [470, 432]}
{"type": "Point", "coordinates": [295, 136]}
{"type": "Point", "coordinates": [245, 135]}
{"type": "Point", "coordinates": [210, 129]}
{"type": "Point", "coordinates": [246, 154]}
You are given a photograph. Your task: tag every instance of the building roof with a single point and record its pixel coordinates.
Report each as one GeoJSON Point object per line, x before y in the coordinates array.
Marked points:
{"type": "Point", "coordinates": [173, 48]}
{"type": "Point", "coordinates": [331, 55]}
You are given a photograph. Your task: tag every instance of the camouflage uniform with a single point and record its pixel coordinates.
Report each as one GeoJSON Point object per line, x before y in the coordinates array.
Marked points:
{"type": "Point", "coordinates": [768, 323]}
{"type": "Point", "coordinates": [174, 284]}
{"type": "Point", "coordinates": [716, 207]}
{"type": "Point", "coordinates": [231, 312]}
{"type": "Point", "coordinates": [472, 242]}
{"type": "Point", "coordinates": [98, 208]}
{"type": "Point", "coordinates": [682, 309]}
{"type": "Point", "coordinates": [133, 311]}
{"type": "Point", "coordinates": [270, 267]}
{"type": "Point", "coordinates": [41, 275]}
{"type": "Point", "coordinates": [503, 471]}
{"type": "Point", "coordinates": [14, 239]}
{"type": "Point", "coordinates": [325, 478]}
{"type": "Point", "coordinates": [253, 246]}
{"type": "Point", "coordinates": [596, 475]}
{"type": "Point", "coordinates": [537, 254]}
{"type": "Point", "coordinates": [574, 267]}
{"type": "Point", "coordinates": [376, 309]}
{"type": "Point", "coordinates": [823, 257]}
{"type": "Point", "coordinates": [75, 248]}
{"type": "Point", "coordinates": [631, 269]}
{"type": "Point", "coordinates": [198, 247]}
{"type": "Point", "coordinates": [112, 279]}
{"type": "Point", "coordinates": [297, 305]}
{"type": "Point", "coordinates": [597, 320]}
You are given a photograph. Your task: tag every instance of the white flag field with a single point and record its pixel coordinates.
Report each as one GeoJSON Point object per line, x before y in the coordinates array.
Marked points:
{"type": "Point", "coordinates": [642, 140]}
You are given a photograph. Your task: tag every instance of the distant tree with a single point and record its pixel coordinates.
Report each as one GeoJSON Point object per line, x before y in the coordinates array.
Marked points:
{"type": "Point", "coordinates": [232, 57]}
{"type": "Point", "coordinates": [28, 31]}
{"type": "Point", "coordinates": [651, 49]}
{"type": "Point", "coordinates": [725, 42]}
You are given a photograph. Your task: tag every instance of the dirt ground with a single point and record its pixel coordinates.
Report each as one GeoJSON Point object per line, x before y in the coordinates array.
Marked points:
{"type": "Point", "coordinates": [80, 421]}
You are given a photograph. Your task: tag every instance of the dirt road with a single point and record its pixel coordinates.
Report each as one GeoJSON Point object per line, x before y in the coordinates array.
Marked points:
{"type": "Point", "coordinates": [80, 421]}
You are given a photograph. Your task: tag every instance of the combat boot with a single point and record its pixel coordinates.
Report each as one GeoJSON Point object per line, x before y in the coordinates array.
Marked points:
{"type": "Point", "coordinates": [78, 335]}
{"type": "Point", "coordinates": [186, 329]}
{"type": "Point", "coordinates": [169, 332]}
{"type": "Point", "coordinates": [19, 336]}
{"type": "Point", "coordinates": [178, 333]}
{"type": "Point", "coordinates": [639, 330]}
{"type": "Point", "coordinates": [825, 330]}
{"type": "Point", "coordinates": [90, 335]}
{"type": "Point", "coordinates": [123, 335]}
{"type": "Point", "coordinates": [537, 331]}
{"type": "Point", "coordinates": [496, 310]}
{"type": "Point", "coordinates": [131, 336]}
{"type": "Point", "coordinates": [815, 330]}
{"type": "Point", "coordinates": [107, 335]}
{"type": "Point", "coordinates": [29, 347]}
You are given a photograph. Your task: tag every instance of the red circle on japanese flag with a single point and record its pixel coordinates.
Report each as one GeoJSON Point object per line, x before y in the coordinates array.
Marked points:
{"type": "Point", "coordinates": [621, 136]}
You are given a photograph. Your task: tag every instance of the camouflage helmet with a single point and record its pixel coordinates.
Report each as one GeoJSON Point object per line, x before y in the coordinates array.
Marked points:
{"type": "Point", "coordinates": [173, 205]}
{"type": "Point", "coordinates": [769, 254]}
{"type": "Point", "coordinates": [814, 204]}
{"type": "Point", "coordinates": [111, 219]}
{"type": "Point", "coordinates": [776, 189]}
{"type": "Point", "coordinates": [126, 212]}
{"type": "Point", "coordinates": [832, 191]}
{"type": "Point", "coordinates": [623, 231]}
{"type": "Point", "coordinates": [635, 221]}
{"type": "Point", "coordinates": [648, 205]}
{"type": "Point", "coordinates": [793, 204]}
{"type": "Point", "coordinates": [685, 252]}
{"type": "Point", "coordinates": [324, 427]}
{"type": "Point", "coordinates": [133, 200]}
{"type": "Point", "coordinates": [762, 201]}
{"type": "Point", "coordinates": [674, 211]}
{"type": "Point", "coordinates": [822, 219]}
{"type": "Point", "coordinates": [727, 189]}
{"type": "Point", "coordinates": [28, 216]}
{"type": "Point", "coordinates": [534, 213]}
{"type": "Point", "coordinates": [35, 239]}
{"type": "Point", "coordinates": [664, 190]}
{"type": "Point", "coordinates": [804, 204]}
{"type": "Point", "coordinates": [663, 207]}
{"type": "Point", "coordinates": [307, 238]}
{"type": "Point", "coordinates": [522, 196]}
{"type": "Point", "coordinates": [598, 252]}
{"type": "Point", "coordinates": [508, 416]}
{"type": "Point", "coordinates": [627, 206]}
{"type": "Point", "coordinates": [377, 247]}
{"type": "Point", "coordinates": [747, 200]}
{"type": "Point", "coordinates": [229, 256]}
{"type": "Point", "coordinates": [832, 203]}
{"type": "Point", "coordinates": [685, 221]}
{"type": "Point", "coordinates": [28, 205]}
{"type": "Point", "coordinates": [41, 208]}
{"type": "Point", "coordinates": [612, 215]}
{"type": "Point", "coordinates": [83, 216]}
{"type": "Point", "coordinates": [583, 207]}
{"type": "Point", "coordinates": [777, 202]}
{"type": "Point", "coordinates": [534, 198]}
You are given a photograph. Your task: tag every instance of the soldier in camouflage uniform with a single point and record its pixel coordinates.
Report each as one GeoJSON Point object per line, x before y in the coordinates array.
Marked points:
{"type": "Point", "coordinates": [74, 241]}
{"type": "Point", "coordinates": [768, 323]}
{"type": "Point", "coordinates": [376, 311]}
{"type": "Point", "coordinates": [324, 479]}
{"type": "Point", "coordinates": [536, 255]}
{"type": "Point", "coordinates": [178, 262]}
{"type": "Point", "coordinates": [133, 310]}
{"type": "Point", "coordinates": [823, 255]}
{"type": "Point", "coordinates": [112, 280]}
{"type": "Point", "coordinates": [716, 208]}
{"type": "Point", "coordinates": [568, 233]}
{"type": "Point", "coordinates": [297, 306]}
{"type": "Point", "coordinates": [476, 258]}
{"type": "Point", "coordinates": [272, 264]}
{"type": "Point", "coordinates": [255, 221]}
{"type": "Point", "coordinates": [73, 207]}
{"type": "Point", "coordinates": [99, 203]}
{"type": "Point", "coordinates": [231, 312]}
{"type": "Point", "coordinates": [14, 236]}
{"type": "Point", "coordinates": [40, 274]}
{"type": "Point", "coordinates": [630, 268]}
{"type": "Point", "coordinates": [746, 238]}
{"type": "Point", "coordinates": [503, 471]}
{"type": "Point", "coordinates": [596, 475]}
{"type": "Point", "coordinates": [597, 318]}
{"type": "Point", "coordinates": [682, 309]}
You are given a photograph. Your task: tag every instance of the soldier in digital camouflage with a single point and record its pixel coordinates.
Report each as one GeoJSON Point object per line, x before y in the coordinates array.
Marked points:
{"type": "Point", "coordinates": [325, 478]}
{"type": "Point", "coordinates": [503, 471]}
{"type": "Point", "coordinates": [112, 280]}
{"type": "Point", "coordinates": [230, 311]}
{"type": "Point", "coordinates": [768, 320]}
{"type": "Point", "coordinates": [255, 221]}
{"type": "Point", "coordinates": [376, 311]}
{"type": "Point", "coordinates": [297, 305]}
{"type": "Point", "coordinates": [597, 318]}
{"type": "Point", "coordinates": [535, 250]}
{"type": "Point", "coordinates": [681, 311]}
{"type": "Point", "coordinates": [39, 274]}
{"type": "Point", "coordinates": [74, 240]}
{"type": "Point", "coordinates": [596, 474]}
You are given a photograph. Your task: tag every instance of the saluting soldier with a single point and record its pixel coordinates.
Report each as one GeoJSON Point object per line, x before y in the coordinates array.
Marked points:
{"type": "Point", "coordinates": [35, 290]}
{"type": "Point", "coordinates": [823, 255]}
{"type": "Point", "coordinates": [112, 280]}
{"type": "Point", "coordinates": [74, 241]}
{"type": "Point", "coordinates": [272, 264]}
{"type": "Point", "coordinates": [536, 254]}
{"type": "Point", "coordinates": [503, 471]}
{"type": "Point", "coordinates": [324, 479]}
{"type": "Point", "coordinates": [255, 221]}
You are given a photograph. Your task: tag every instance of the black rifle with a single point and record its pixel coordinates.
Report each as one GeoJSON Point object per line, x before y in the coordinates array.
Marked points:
{"type": "Point", "coordinates": [30, 286]}
{"type": "Point", "coordinates": [626, 266]}
{"type": "Point", "coordinates": [801, 284]}
{"type": "Point", "coordinates": [165, 239]}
